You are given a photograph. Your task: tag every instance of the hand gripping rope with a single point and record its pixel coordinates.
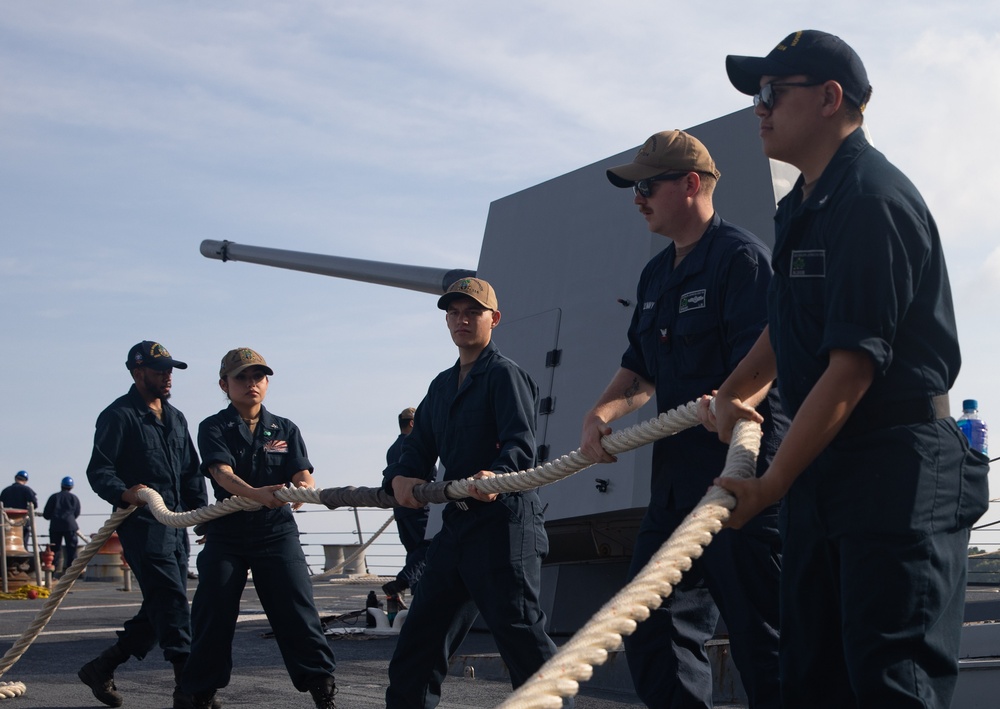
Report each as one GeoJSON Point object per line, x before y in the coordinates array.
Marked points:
{"type": "Point", "coordinates": [589, 646]}
{"type": "Point", "coordinates": [560, 676]}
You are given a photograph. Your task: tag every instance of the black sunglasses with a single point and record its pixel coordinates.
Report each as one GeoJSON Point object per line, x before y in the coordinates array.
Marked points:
{"type": "Point", "coordinates": [645, 187]}
{"type": "Point", "coordinates": [766, 96]}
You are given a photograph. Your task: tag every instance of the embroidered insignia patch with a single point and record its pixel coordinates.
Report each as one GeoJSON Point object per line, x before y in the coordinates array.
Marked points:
{"type": "Point", "coordinates": [808, 263]}
{"type": "Point", "coordinates": [694, 300]}
{"type": "Point", "coordinates": [276, 446]}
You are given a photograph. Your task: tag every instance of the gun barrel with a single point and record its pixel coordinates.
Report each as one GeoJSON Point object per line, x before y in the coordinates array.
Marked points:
{"type": "Point", "coordinates": [424, 279]}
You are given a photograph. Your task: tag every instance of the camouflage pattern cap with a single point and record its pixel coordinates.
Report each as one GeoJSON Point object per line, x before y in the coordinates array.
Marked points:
{"type": "Point", "coordinates": [239, 359]}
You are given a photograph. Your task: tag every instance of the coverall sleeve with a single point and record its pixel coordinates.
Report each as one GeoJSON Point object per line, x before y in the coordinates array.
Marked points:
{"type": "Point", "coordinates": [193, 490]}
{"type": "Point", "coordinates": [101, 472]}
{"type": "Point", "coordinates": [744, 303]}
{"type": "Point", "coordinates": [514, 396]}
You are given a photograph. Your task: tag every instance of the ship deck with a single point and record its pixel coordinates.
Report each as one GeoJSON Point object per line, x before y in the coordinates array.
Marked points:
{"type": "Point", "coordinates": [86, 621]}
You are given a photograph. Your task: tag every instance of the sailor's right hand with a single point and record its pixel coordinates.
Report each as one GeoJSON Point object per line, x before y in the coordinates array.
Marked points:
{"type": "Point", "coordinates": [130, 496]}
{"type": "Point", "coordinates": [594, 428]}
{"type": "Point", "coordinates": [728, 410]}
{"type": "Point", "coordinates": [402, 490]}
{"type": "Point", "coordinates": [265, 496]}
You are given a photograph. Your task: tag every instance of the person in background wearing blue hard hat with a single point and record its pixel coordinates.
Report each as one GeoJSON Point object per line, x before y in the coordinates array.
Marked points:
{"type": "Point", "coordinates": [17, 497]}
{"type": "Point", "coordinates": [61, 510]}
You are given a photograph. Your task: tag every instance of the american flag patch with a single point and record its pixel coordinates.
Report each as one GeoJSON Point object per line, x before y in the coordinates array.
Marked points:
{"type": "Point", "coordinates": [276, 446]}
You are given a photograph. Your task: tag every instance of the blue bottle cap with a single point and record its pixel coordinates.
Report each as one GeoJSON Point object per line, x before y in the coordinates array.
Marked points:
{"type": "Point", "coordinates": [970, 405]}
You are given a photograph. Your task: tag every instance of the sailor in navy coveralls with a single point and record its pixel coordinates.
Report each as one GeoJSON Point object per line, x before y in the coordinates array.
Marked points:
{"type": "Point", "coordinates": [250, 452]}
{"type": "Point", "coordinates": [880, 486]}
{"type": "Point", "coordinates": [143, 441]}
{"type": "Point", "coordinates": [478, 417]}
{"type": "Point", "coordinates": [700, 305]}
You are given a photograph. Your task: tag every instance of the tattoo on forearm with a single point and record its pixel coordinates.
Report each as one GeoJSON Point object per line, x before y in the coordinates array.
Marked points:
{"type": "Point", "coordinates": [229, 474]}
{"type": "Point", "coordinates": [631, 390]}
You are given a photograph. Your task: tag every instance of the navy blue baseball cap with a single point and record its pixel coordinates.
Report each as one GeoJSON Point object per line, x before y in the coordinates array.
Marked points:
{"type": "Point", "coordinates": [820, 55]}
{"type": "Point", "coordinates": [153, 355]}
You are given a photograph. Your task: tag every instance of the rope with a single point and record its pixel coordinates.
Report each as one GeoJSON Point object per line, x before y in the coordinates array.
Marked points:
{"type": "Point", "coordinates": [575, 661]}
{"type": "Point", "coordinates": [564, 680]}
{"type": "Point", "coordinates": [66, 581]}
{"type": "Point", "coordinates": [640, 434]}
{"type": "Point", "coordinates": [24, 593]}
{"type": "Point", "coordinates": [357, 552]}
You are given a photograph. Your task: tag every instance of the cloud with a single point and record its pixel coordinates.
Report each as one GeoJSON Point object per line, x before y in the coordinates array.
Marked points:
{"type": "Point", "coordinates": [133, 130]}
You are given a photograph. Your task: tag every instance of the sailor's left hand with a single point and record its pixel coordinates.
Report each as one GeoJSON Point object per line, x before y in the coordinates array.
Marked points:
{"type": "Point", "coordinates": [752, 496]}
{"type": "Point", "coordinates": [302, 478]}
{"type": "Point", "coordinates": [474, 492]}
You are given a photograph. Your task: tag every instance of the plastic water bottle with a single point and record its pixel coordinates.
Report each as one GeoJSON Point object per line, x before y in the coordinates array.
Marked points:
{"type": "Point", "coordinates": [391, 607]}
{"type": "Point", "coordinates": [974, 427]}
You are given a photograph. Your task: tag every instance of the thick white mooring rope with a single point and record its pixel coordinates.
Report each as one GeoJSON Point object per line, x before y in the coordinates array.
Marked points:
{"type": "Point", "coordinates": [589, 646]}
{"type": "Point", "coordinates": [560, 676]}
{"type": "Point", "coordinates": [8, 690]}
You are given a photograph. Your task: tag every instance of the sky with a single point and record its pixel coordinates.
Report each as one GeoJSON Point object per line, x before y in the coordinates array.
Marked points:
{"type": "Point", "coordinates": [131, 131]}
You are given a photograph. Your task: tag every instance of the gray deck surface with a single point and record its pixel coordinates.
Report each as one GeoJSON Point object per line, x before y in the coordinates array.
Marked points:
{"type": "Point", "coordinates": [85, 624]}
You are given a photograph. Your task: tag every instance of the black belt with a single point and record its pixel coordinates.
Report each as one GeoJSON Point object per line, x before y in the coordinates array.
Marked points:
{"type": "Point", "coordinates": [875, 415]}
{"type": "Point", "coordinates": [467, 503]}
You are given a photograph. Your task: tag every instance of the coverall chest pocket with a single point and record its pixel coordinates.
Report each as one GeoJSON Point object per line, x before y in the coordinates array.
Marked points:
{"type": "Point", "coordinates": [475, 419]}
{"type": "Point", "coordinates": [699, 350]}
{"type": "Point", "coordinates": [177, 442]}
{"type": "Point", "coordinates": [275, 464]}
{"type": "Point", "coordinates": [808, 294]}
{"type": "Point", "coordinates": [652, 340]}
{"type": "Point", "coordinates": [806, 269]}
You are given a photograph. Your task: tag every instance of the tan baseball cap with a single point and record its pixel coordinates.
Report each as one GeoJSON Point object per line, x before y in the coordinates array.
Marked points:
{"type": "Point", "coordinates": [239, 359]}
{"type": "Point", "coordinates": [663, 152]}
{"type": "Point", "coordinates": [476, 288]}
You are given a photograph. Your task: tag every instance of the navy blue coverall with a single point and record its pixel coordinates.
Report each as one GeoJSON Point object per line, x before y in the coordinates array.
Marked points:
{"type": "Point", "coordinates": [412, 527]}
{"type": "Point", "coordinates": [132, 447]}
{"type": "Point", "coordinates": [16, 497]}
{"type": "Point", "coordinates": [264, 542]}
{"type": "Point", "coordinates": [691, 326]}
{"type": "Point", "coordinates": [876, 530]}
{"type": "Point", "coordinates": [62, 509]}
{"type": "Point", "coordinates": [486, 558]}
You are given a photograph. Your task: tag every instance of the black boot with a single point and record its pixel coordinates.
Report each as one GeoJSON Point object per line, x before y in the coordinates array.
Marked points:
{"type": "Point", "coordinates": [322, 693]}
{"type": "Point", "coordinates": [178, 663]}
{"type": "Point", "coordinates": [99, 675]}
{"type": "Point", "coordinates": [201, 700]}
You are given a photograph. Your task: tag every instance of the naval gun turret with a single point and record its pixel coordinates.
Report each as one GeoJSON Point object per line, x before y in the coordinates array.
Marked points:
{"type": "Point", "coordinates": [565, 256]}
{"type": "Point", "coordinates": [424, 279]}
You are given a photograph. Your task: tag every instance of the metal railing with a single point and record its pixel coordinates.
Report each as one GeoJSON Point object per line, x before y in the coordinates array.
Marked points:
{"type": "Point", "coordinates": [318, 527]}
